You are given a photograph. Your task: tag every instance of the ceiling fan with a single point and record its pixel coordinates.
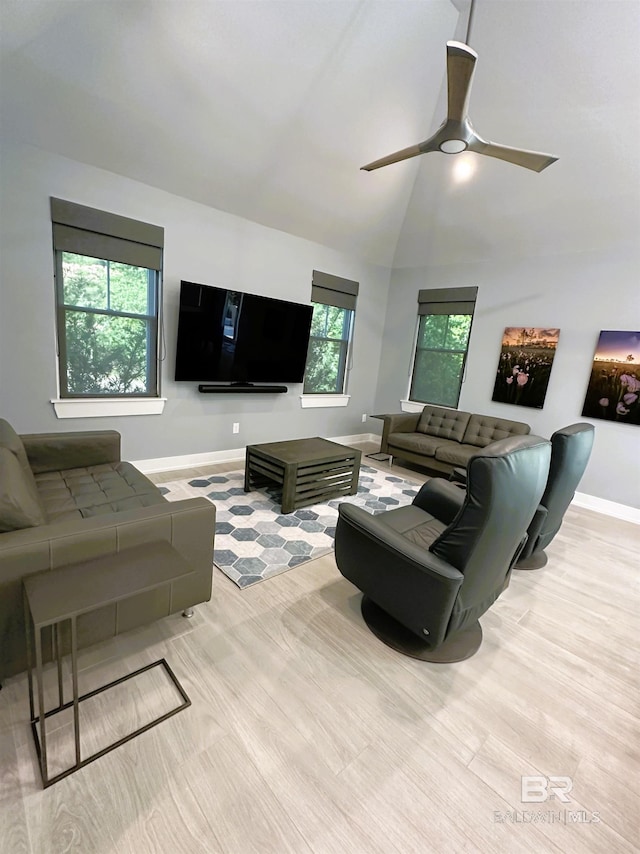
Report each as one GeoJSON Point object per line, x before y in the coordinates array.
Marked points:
{"type": "Point", "coordinates": [456, 133]}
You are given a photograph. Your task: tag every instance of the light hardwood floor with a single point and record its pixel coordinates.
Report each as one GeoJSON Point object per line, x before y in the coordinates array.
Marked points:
{"type": "Point", "coordinates": [306, 734]}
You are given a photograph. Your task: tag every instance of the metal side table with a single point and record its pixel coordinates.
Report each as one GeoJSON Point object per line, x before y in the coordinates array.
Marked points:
{"type": "Point", "coordinates": [379, 455]}
{"type": "Point", "coordinates": [59, 595]}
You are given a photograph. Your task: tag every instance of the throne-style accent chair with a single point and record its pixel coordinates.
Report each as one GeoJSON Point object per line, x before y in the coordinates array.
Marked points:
{"type": "Point", "coordinates": [429, 570]}
{"type": "Point", "coordinates": [570, 451]}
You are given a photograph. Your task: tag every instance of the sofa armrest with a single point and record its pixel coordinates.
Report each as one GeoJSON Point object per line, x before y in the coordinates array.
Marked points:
{"type": "Point", "coordinates": [441, 499]}
{"type": "Point", "coordinates": [412, 584]}
{"type": "Point", "coordinates": [398, 422]}
{"type": "Point", "coordinates": [58, 451]}
{"type": "Point", "coordinates": [390, 541]}
{"type": "Point", "coordinates": [187, 525]}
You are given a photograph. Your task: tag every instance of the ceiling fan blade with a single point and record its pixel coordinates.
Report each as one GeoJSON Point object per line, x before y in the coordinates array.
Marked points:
{"type": "Point", "coordinates": [535, 160]}
{"type": "Point", "coordinates": [461, 63]}
{"type": "Point", "coordinates": [405, 154]}
{"type": "Point", "coordinates": [456, 132]}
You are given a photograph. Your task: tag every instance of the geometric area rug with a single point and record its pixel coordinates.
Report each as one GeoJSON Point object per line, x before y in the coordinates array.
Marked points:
{"type": "Point", "coordinates": [255, 541]}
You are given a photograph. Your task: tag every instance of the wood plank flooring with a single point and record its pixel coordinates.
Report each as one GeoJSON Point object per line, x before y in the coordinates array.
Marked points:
{"type": "Point", "coordinates": [306, 734]}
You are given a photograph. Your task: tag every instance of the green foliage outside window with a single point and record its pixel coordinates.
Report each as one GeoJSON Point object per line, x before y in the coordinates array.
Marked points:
{"type": "Point", "coordinates": [439, 361]}
{"type": "Point", "coordinates": [107, 327]}
{"type": "Point", "coordinates": [328, 346]}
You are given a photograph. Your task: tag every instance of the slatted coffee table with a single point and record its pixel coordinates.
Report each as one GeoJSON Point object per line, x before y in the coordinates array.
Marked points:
{"type": "Point", "coordinates": [309, 470]}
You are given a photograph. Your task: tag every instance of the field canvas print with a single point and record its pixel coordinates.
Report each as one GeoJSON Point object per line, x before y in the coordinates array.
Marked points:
{"type": "Point", "coordinates": [614, 385]}
{"type": "Point", "coordinates": [524, 366]}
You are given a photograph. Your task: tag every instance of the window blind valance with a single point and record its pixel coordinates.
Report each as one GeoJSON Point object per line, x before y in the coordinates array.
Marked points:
{"type": "Point", "coordinates": [99, 234]}
{"type": "Point", "coordinates": [447, 300]}
{"type": "Point", "coordinates": [334, 290]}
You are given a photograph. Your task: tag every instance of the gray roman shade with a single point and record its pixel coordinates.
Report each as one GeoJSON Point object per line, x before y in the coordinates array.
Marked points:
{"type": "Point", "coordinates": [447, 301]}
{"type": "Point", "coordinates": [333, 290]}
{"type": "Point", "coordinates": [87, 231]}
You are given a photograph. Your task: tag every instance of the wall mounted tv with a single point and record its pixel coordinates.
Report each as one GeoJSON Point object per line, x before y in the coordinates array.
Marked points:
{"type": "Point", "coordinates": [232, 337]}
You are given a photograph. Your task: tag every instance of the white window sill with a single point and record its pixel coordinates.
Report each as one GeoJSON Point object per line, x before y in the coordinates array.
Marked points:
{"type": "Point", "coordinates": [108, 407]}
{"type": "Point", "coordinates": [416, 406]}
{"type": "Point", "coordinates": [411, 406]}
{"type": "Point", "coordinates": [315, 401]}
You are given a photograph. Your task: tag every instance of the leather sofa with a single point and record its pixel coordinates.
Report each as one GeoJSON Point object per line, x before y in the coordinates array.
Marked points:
{"type": "Point", "coordinates": [441, 439]}
{"type": "Point", "coordinates": [68, 497]}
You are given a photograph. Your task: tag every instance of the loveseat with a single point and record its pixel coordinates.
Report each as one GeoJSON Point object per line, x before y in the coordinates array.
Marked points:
{"type": "Point", "coordinates": [441, 439]}
{"type": "Point", "coordinates": [68, 497]}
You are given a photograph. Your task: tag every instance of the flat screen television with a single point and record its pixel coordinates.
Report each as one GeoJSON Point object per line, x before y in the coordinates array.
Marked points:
{"type": "Point", "coordinates": [233, 337]}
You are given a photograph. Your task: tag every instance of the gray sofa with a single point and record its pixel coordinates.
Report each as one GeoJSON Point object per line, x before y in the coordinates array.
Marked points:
{"type": "Point", "coordinates": [68, 497]}
{"type": "Point", "coordinates": [441, 439]}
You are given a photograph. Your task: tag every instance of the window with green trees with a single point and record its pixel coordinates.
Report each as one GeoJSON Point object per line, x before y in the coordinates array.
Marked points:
{"type": "Point", "coordinates": [108, 280]}
{"type": "Point", "coordinates": [107, 327]}
{"type": "Point", "coordinates": [328, 350]}
{"type": "Point", "coordinates": [445, 316]}
{"type": "Point", "coordinates": [441, 350]}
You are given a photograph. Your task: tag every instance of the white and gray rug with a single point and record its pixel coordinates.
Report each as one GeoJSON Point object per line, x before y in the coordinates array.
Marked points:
{"type": "Point", "coordinates": [255, 541]}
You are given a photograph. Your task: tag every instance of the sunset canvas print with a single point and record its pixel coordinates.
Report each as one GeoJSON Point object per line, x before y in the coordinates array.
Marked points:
{"type": "Point", "coordinates": [524, 367]}
{"type": "Point", "coordinates": [614, 385]}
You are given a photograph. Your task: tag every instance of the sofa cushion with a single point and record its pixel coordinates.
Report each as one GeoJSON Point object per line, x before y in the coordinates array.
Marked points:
{"type": "Point", "coordinates": [417, 443]}
{"type": "Point", "coordinates": [20, 506]}
{"type": "Point", "coordinates": [418, 526]}
{"type": "Point", "coordinates": [484, 429]}
{"type": "Point", "coordinates": [95, 490]}
{"type": "Point", "coordinates": [443, 423]}
{"type": "Point", "coordinates": [457, 454]}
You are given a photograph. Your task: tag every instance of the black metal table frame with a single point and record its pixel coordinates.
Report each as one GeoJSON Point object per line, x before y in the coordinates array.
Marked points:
{"type": "Point", "coordinates": [39, 720]}
{"type": "Point", "coordinates": [379, 456]}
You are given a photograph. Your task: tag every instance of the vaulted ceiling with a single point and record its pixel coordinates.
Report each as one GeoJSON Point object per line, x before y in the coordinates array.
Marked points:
{"type": "Point", "coordinates": [267, 109]}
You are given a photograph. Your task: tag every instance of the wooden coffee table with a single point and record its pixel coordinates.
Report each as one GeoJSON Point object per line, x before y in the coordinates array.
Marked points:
{"type": "Point", "coordinates": [309, 470]}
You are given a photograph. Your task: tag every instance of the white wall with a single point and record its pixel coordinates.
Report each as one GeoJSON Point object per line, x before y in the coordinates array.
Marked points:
{"type": "Point", "coordinates": [201, 245]}
{"type": "Point", "coordinates": [579, 293]}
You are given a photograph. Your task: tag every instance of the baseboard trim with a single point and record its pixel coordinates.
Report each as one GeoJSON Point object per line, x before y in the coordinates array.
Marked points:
{"type": "Point", "coordinates": [607, 508]}
{"type": "Point", "coordinates": [232, 455]}
{"type": "Point", "coordinates": [188, 461]}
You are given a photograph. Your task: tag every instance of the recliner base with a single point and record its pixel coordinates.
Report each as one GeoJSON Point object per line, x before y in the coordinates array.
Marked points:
{"type": "Point", "coordinates": [458, 647]}
{"type": "Point", "coordinates": [536, 561]}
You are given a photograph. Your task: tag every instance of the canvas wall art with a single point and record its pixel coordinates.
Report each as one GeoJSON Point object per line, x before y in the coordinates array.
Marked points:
{"type": "Point", "coordinates": [614, 385]}
{"type": "Point", "coordinates": [524, 367]}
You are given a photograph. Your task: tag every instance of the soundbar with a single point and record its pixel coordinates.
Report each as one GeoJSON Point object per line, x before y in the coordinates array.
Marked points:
{"type": "Point", "coordinates": [242, 388]}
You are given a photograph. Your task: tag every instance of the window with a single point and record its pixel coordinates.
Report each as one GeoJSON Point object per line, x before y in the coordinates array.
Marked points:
{"type": "Point", "coordinates": [107, 327]}
{"type": "Point", "coordinates": [108, 297]}
{"type": "Point", "coordinates": [444, 326]}
{"type": "Point", "coordinates": [334, 302]}
{"type": "Point", "coordinates": [328, 346]}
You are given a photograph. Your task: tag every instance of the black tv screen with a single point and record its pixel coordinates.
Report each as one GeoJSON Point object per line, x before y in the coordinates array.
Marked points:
{"type": "Point", "coordinates": [230, 336]}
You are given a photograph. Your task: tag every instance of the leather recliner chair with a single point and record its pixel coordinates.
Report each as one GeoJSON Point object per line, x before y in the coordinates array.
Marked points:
{"type": "Point", "coordinates": [428, 571]}
{"type": "Point", "coordinates": [570, 451]}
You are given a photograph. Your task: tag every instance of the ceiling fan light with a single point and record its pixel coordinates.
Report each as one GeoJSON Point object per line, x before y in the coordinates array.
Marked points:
{"type": "Point", "coordinates": [453, 146]}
